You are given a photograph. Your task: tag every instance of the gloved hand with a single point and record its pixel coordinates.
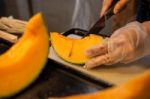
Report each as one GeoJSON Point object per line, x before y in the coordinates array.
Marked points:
{"type": "Point", "coordinates": [127, 44]}
{"type": "Point", "coordinates": [106, 3]}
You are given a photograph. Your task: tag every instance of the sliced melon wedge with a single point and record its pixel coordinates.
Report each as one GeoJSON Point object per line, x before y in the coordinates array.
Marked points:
{"type": "Point", "coordinates": [71, 49]}
{"type": "Point", "coordinates": [23, 62]}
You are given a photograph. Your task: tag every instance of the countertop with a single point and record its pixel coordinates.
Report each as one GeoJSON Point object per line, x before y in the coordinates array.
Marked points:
{"type": "Point", "coordinates": [57, 81]}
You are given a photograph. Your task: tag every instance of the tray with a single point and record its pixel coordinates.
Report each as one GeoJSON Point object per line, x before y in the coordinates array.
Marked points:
{"type": "Point", "coordinates": [112, 75]}
{"type": "Point", "coordinates": [55, 81]}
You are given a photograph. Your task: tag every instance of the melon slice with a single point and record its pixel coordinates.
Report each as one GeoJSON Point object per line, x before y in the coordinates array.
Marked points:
{"type": "Point", "coordinates": [23, 62]}
{"type": "Point", "coordinates": [71, 49]}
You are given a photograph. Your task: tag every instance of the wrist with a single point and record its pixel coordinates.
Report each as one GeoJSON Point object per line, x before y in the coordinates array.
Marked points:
{"type": "Point", "coordinates": [146, 27]}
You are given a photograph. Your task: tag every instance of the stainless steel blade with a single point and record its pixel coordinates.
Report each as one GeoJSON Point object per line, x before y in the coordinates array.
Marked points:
{"type": "Point", "coordinates": [100, 24]}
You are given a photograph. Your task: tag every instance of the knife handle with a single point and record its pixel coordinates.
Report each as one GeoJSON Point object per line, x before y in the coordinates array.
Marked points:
{"type": "Point", "coordinates": [100, 24]}
{"type": "Point", "coordinates": [110, 12]}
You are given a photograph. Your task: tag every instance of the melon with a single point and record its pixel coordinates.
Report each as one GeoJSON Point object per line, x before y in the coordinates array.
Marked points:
{"type": "Point", "coordinates": [71, 49]}
{"type": "Point", "coordinates": [24, 61]}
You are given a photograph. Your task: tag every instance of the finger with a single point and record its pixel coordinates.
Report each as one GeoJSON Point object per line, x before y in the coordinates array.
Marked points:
{"type": "Point", "coordinates": [97, 50]}
{"type": "Point", "coordinates": [120, 5]}
{"type": "Point", "coordinates": [105, 6]}
{"type": "Point", "coordinates": [100, 60]}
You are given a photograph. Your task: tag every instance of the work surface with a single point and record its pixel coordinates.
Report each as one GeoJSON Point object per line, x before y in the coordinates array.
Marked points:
{"type": "Point", "coordinates": [69, 79]}
{"type": "Point", "coordinates": [56, 81]}
{"type": "Point", "coordinates": [116, 74]}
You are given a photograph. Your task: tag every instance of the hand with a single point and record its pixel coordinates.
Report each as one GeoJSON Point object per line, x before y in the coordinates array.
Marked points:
{"type": "Point", "coordinates": [127, 44]}
{"type": "Point", "coordinates": [119, 5]}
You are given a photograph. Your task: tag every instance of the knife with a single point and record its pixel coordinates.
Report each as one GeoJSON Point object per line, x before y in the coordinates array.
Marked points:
{"type": "Point", "coordinates": [100, 24]}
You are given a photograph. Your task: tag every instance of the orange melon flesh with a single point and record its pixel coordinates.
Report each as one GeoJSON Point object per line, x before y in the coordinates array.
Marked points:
{"type": "Point", "coordinates": [73, 50]}
{"type": "Point", "coordinates": [23, 62]}
{"type": "Point", "coordinates": [66, 42]}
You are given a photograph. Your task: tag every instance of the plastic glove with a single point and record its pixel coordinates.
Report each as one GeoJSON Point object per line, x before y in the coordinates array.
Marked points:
{"type": "Point", "coordinates": [106, 4]}
{"type": "Point", "coordinates": [127, 44]}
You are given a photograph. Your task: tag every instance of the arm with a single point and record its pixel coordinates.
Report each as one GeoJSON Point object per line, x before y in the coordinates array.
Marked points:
{"type": "Point", "coordinates": [146, 25]}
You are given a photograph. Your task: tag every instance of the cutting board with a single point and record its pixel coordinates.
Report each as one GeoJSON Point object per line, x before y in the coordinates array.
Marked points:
{"type": "Point", "coordinates": [112, 74]}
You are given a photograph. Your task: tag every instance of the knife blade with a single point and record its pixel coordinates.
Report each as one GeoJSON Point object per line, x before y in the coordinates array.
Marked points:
{"type": "Point", "coordinates": [100, 24]}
